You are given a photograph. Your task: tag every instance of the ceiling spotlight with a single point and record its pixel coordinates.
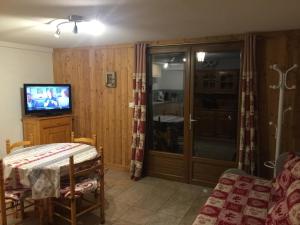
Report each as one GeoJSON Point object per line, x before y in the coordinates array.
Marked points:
{"type": "Point", "coordinates": [200, 56]}
{"type": "Point", "coordinates": [166, 65]}
{"type": "Point", "coordinates": [92, 27]}
{"type": "Point", "coordinates": [57, 33]}
{"type": "Point", "coordinates": [75, 29]}
{"type": "Point", "coordinates": [184, 59]}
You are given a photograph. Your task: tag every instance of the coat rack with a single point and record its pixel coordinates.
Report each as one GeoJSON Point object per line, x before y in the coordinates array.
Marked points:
{"type": "Point", "coordinates": [282, 86]}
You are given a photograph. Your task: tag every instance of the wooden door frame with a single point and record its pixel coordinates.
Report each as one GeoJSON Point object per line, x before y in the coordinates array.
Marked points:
{"type": "Point", "coordinates": [190, 50]}
{"type": "Point", "coordinates": [186, 104]}
{"type": "Point", "coordinates": [218, 47]}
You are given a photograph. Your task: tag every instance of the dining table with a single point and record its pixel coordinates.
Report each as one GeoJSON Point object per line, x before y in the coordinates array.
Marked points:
{"type": "Point", "coordinates": [40, 167]}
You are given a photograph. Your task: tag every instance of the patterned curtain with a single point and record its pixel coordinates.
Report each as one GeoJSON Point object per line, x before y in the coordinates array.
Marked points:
{"type": "Point", "coordinates": [247, 148]}
{"type": "Point", "coordinates": [139, 113]}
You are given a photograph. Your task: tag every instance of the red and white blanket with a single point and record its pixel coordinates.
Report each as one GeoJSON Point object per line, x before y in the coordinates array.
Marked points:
{"type": "Point", "coordinates": [237, 200]}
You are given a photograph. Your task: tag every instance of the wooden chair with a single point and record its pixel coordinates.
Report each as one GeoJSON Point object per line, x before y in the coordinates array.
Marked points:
{"type": "Point", "coordinates": [78, 186]}
{"type": "Point", "coordinates": [10, 147]}
{"type": "Point", "coordinates": [12, 201]}
{"type": "Point", "coordinates": [90, 141]}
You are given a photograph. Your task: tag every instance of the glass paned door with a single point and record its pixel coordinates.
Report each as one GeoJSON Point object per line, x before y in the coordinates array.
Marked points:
{"type": "Point", "coordinates": [215, 104]}
{"type": "Point", "coordinates": [167, 102]}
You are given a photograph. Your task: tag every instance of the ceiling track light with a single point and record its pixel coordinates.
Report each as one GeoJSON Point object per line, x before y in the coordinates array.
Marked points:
{"type": "Point", "coordinates": [71, 19]}
{"type": "Point", "coordinates": [57, 33]}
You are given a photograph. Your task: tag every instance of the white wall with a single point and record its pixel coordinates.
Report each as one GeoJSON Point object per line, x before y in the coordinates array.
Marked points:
{"type": "Point", "coordinates": [19, 64]}
{"type": "Point", "coordinates": [171, 78]}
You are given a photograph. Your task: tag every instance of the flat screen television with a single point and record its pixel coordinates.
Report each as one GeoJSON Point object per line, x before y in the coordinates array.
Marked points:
{"type": "Point", "coordinates": [44, 99]}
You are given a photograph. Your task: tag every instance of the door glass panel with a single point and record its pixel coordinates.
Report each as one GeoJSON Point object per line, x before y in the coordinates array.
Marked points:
{"type": "Point", "coordinates": [215, 104]}
{"type": "Point", "coordinates": [166, 106]}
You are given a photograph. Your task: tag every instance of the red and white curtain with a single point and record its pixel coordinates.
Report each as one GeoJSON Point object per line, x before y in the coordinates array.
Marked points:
{"type": "Point", "coordinates": [139, 113]}
{"type": "Point", "coordinates": [248, 111]}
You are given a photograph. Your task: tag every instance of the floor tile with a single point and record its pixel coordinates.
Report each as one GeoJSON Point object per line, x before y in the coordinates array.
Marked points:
{"type": "Point", "coordinates": [175, 207]}
{"type": "Point", "coordinates": [135, 193]}
{"type": "Point", "coordinates": [152, 202]}
{"type": "Point", "coordinates": [162, 219]}
{"type": "Point", "coordinates": [137, 215]}
{"type": "Point", "coordinates": [193, 211]}
{"type": "Point", "coordinates": [124, 222]}
{"type": "Point", "coordinates": [115, 210]}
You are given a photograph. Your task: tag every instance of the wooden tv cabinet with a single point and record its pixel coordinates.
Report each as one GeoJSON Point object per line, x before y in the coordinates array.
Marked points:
{"type": "Point", "coordinates": [47, 129]}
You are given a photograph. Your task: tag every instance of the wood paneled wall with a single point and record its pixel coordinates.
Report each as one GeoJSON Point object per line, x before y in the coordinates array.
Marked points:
{"type": "Point", "coordinates": [282, 48]}
{"type": "Point", "coordinates": [96, 108]}
{"type": "Point", "coordinates": [105, 111]}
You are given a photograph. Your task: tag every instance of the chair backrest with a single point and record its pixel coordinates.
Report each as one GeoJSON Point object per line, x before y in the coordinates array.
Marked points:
{"type": "Point", "coordinates": [86, 168]}
{"type": "Point", "coordinates": [2, 196]}
{"type": "Point", "coordinates": [90, 141]}
{"type": "Point", "coordinates": [26, 143]}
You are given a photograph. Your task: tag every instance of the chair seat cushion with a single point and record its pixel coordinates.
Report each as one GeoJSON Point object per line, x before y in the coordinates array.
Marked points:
{"type": "Point", "coordinates": [87, 185]}
{"type": "Point", "coordinates": [17, 194]}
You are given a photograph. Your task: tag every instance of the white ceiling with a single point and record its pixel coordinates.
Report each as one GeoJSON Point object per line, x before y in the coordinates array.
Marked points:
{"type": "Point", "coordinates": [128, 21]}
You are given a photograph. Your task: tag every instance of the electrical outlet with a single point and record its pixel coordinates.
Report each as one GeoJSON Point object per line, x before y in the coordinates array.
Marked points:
{"type": "Point", "coordinates": [131, 105]}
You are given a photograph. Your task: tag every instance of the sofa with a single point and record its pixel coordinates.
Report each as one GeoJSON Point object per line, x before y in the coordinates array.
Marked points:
{"type": "Point", "coordinates": [239, 198]}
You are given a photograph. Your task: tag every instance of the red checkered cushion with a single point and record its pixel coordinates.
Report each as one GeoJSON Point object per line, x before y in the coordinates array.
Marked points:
{"type": "Point", "coordinates": [87, 185]}
{"type": "Point", "coordinates": [287, 186]}
{"type": "Point", "coordinates": [287, 210]}
{"type": "Point", "coordinates": [237, 200]}
{"type": "Point", "coordinates": [290, 173]}
{"type": "Point", "coordinates": [17, 194]}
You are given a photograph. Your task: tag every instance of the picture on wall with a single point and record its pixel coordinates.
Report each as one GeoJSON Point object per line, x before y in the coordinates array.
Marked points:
{"type": "Point", "coordinates": [110, 79]}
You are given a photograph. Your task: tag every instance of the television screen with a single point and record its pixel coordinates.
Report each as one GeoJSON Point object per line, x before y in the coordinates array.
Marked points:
{"type": "Point", "coordinates": [47, 98]}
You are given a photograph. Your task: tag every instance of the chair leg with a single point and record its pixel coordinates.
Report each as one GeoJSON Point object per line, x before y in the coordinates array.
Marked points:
{"type": "Point", "coordinates": [3, 214]}
{"type": "Point", "coordinates": [22, 209]}
{"type": "Point", "coordinates": [36, 207]}
{"type": "Point", "coordinates": [79, 203]}
{"type": "Point", "coordinates": [101, 199]}
{"type": "Point", "coordinates": [73, 212]}
{"type": "Point", "coordinates": [14, 206]}
{"type": "Point", "coordinates": [3, 219]}
{"type": "Point", "coordinates": [50, 210]}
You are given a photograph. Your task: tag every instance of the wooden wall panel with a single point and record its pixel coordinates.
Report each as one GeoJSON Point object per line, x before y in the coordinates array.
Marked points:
{"type": "Point", "coordinates": [280, 48]}
{"type": "Point", "coordinates": [73, 66]}
{"type": "Point", "coordinates": [96, 108]}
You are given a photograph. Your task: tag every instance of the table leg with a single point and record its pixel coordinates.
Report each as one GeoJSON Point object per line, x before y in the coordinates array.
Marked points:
{"type": "Point", "coordinates": [50, 210]}
{"type": "Point", "coordinates": [45, 210]}
{"type": "Point", "coordinates": [41, 211]}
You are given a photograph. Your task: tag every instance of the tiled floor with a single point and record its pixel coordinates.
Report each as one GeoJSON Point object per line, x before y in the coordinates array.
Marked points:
{"type": "Point", "coordinates": [150, 201]}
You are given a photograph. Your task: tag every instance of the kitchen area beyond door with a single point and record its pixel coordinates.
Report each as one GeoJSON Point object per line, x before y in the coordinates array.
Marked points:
{"type": "Point", "coordinates": [167, 113]}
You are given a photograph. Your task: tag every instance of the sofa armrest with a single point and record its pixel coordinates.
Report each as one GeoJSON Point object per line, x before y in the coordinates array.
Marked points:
{"type": "Point", "coordinates": [236, 171]}
{"type": "Point", "coordinates": [240, 173]}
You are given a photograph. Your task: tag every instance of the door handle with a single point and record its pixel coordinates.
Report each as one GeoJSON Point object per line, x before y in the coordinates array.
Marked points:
{"type": "Point", "coordinates": [191, 121]}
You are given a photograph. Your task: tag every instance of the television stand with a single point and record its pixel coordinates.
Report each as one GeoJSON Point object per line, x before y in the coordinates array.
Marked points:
{"type": "Point", "coordinates": [48, 129]}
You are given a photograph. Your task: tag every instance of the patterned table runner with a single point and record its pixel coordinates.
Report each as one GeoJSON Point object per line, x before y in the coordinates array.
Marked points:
{"type": "Point", "coordinates": [40, 167]}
